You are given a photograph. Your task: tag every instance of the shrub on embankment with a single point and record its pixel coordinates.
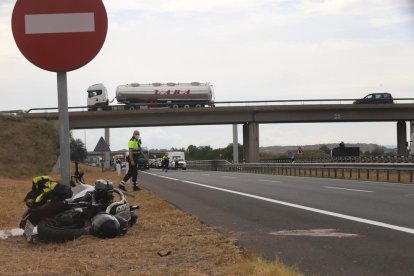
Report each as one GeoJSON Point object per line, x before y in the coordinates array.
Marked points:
{"type": "Point", "coordinates": [27, 146]}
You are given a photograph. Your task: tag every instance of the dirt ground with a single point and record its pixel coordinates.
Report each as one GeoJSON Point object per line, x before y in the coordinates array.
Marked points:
{"type": "Point", "coordinates": [165, 241]}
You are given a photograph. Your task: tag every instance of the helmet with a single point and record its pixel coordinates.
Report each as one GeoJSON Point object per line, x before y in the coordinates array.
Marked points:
{"type": "Point", "coordinates": [105, 226]}
{"type": "Point", "coordinates": [136, 132]}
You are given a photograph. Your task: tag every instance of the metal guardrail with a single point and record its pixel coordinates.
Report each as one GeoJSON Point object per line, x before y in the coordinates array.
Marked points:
{"type": "Point", "coordinates": [390, 172]}
{"type": "Point", "coordinates": [228, 103]}
{"type": "Point", "coordinates": [346, 159]}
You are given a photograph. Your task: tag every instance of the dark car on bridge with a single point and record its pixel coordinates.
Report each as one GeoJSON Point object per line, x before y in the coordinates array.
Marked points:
{"type": "Point", "coordinates": [376, 98]}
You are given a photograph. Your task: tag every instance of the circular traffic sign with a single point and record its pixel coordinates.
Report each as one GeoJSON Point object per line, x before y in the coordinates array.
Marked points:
{"type": "Point", "coordinates": [59, 35]}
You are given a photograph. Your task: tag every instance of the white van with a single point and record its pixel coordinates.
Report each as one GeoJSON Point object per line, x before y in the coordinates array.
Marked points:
{"type": "Point", "coordinates": [180, 157]}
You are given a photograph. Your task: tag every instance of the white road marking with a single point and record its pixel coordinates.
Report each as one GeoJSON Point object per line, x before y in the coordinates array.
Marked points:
{"type": "Point", "coordinates": [59, 23]}
{"type": "Point", "coordinates": [266, 180]}
{"type": "Point", "coordinates": [330, 233]}
{"type": "Point", "coordinates": [320, 211]}
{"type": "Point", "coordinates": [205, 174]}
{"type": "Point", "coordinates": [353, 190]}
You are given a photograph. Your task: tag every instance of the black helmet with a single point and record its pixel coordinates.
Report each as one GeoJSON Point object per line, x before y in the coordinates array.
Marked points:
{"type": "Point", "coordinates": [105, 226]}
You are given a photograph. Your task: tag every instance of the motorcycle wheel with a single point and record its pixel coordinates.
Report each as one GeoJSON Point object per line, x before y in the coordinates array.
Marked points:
{"type": "Point", "coordinates": [50, 230]}
{"type": "Point", "coordinates": [134, 218]}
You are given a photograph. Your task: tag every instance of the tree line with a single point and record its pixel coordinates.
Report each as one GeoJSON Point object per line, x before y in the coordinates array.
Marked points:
{"type": "Point", "coordinates": [78, 152]}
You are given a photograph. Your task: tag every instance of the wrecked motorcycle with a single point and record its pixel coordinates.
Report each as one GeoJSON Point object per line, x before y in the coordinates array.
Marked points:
{"type": "Point", "coordinates": [100, 210]}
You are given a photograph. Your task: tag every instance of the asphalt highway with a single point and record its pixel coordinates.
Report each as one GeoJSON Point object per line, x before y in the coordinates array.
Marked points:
{"type": "Point", "coordinates": [323, 226]}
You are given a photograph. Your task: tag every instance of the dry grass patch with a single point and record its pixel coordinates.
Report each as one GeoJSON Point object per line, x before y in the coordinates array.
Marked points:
{"type": "Point", "coordinates": [253, 265]}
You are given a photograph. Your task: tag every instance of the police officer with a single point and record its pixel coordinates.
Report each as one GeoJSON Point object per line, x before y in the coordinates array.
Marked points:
{"type": "Point", "coordinates": [165, 162]}
{"type": "Point", "coordinates": [176, 160]}
{"type": "Point", "coordinates": [134, 149]}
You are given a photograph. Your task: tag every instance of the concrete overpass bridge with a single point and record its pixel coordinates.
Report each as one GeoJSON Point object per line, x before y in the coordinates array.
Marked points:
{"type": "Point", "coordinates": [249, 116]}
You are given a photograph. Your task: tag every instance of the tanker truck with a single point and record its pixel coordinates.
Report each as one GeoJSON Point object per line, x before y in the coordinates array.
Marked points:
{"type": "Point", "coordinates": [154, 95]}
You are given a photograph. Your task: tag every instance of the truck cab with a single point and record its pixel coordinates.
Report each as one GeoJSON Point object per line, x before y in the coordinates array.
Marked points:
{"type": "Point", "coordinates": [97, 97]}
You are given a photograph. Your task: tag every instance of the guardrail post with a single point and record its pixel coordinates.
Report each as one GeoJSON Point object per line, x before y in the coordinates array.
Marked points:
{"type": "Point", "coordinates": [399, 175]}
{"type": "Point", "coordinates": [377, 175]}
{"type": "Point", "coordinates": [367, 174]}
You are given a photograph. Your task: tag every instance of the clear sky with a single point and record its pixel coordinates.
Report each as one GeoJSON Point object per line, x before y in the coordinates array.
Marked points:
{"type": "Point", "coordinates": [248, 49]}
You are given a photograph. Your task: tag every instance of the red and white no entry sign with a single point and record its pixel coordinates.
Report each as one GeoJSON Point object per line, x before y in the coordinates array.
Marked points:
{"type": "Point", "coordinates": [59, 35]}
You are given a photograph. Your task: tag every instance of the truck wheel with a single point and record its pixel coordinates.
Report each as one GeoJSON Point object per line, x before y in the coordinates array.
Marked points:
{"type": "Point", "coordinates": [174, 106]}
{"type": "Point", "coordinates": [131, 107]}
{"type": "Point", "coordinates": [186, 106]}
{"type": "Point", "coordinates": [198, 105]}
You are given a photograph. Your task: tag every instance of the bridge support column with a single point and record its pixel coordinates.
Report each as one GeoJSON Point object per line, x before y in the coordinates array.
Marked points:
{"type": "Point", "coordinates": [107, 155]}
{"type": "Point", "coordinates": [235, 145]}
{"type": "Point", "coordinates": [401, 138]}
{"type": "Point", "coordinates": [411, 147]}
{"type": "Point", "coordinates": [251, 142]}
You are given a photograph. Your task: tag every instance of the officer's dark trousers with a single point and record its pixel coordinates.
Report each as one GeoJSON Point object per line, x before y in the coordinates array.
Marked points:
{"type": "Point", "coordinates": [132, 172]}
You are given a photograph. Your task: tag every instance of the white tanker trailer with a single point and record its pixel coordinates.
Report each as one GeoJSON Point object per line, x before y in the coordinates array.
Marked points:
{"type": "Point", "coordinates": [136, 96]}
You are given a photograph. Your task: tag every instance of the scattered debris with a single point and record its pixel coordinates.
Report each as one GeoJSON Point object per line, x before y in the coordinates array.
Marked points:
{"type": "Point", "coordinates": [11, 233]}
{"type": "Point", "coordinates": [164, 255]}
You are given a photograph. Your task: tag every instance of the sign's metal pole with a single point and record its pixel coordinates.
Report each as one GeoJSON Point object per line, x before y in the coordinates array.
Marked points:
{"type": "Point", "coordinates": [64, 142]}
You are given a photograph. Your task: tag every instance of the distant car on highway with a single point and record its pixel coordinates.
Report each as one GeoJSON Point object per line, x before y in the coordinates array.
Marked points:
{"type": "Point", "coordinates": [158, 163]}
{"type": "Point", "coordinates": [376, 98]}
{"type": "Point", "coordinates": [151, 162]}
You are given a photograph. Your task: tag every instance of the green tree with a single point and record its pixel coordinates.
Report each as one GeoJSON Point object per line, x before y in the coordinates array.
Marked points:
{"type": "Point", "coordinates": [78, 151]}
{"type": "Point", "coordinates": [367, 153]}
{"type": "Point", "coordinates": [377, 151]}
{"type": "Point", "coordinates": [227, 152]}
{"type": "Point", "coordinates": [325, 149]}
{"type": "Point", "coordinates": [207, 153]}
{"type": "Point", "coordinates": [191, 152]}
{"type": "Point", "coordinates": [201, 153]}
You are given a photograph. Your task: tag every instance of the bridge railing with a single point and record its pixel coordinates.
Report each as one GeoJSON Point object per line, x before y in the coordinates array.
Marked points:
{"type": "Point", "coordinates": [224, 103]}
{"type": "Point", "coordinates": [389, 172]}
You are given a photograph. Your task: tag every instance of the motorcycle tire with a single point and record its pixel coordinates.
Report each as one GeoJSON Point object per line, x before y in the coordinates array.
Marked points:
{"type": "Point", "coordinates": [134, 218]}
{"type": "Point", "coordinates": [49, 230]}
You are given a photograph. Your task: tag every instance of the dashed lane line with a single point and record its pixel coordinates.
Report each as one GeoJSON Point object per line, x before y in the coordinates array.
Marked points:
{"type": "Point", "coordinates": [267, 180]}
{"type": "Point", "coordinates": [347, 189]}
